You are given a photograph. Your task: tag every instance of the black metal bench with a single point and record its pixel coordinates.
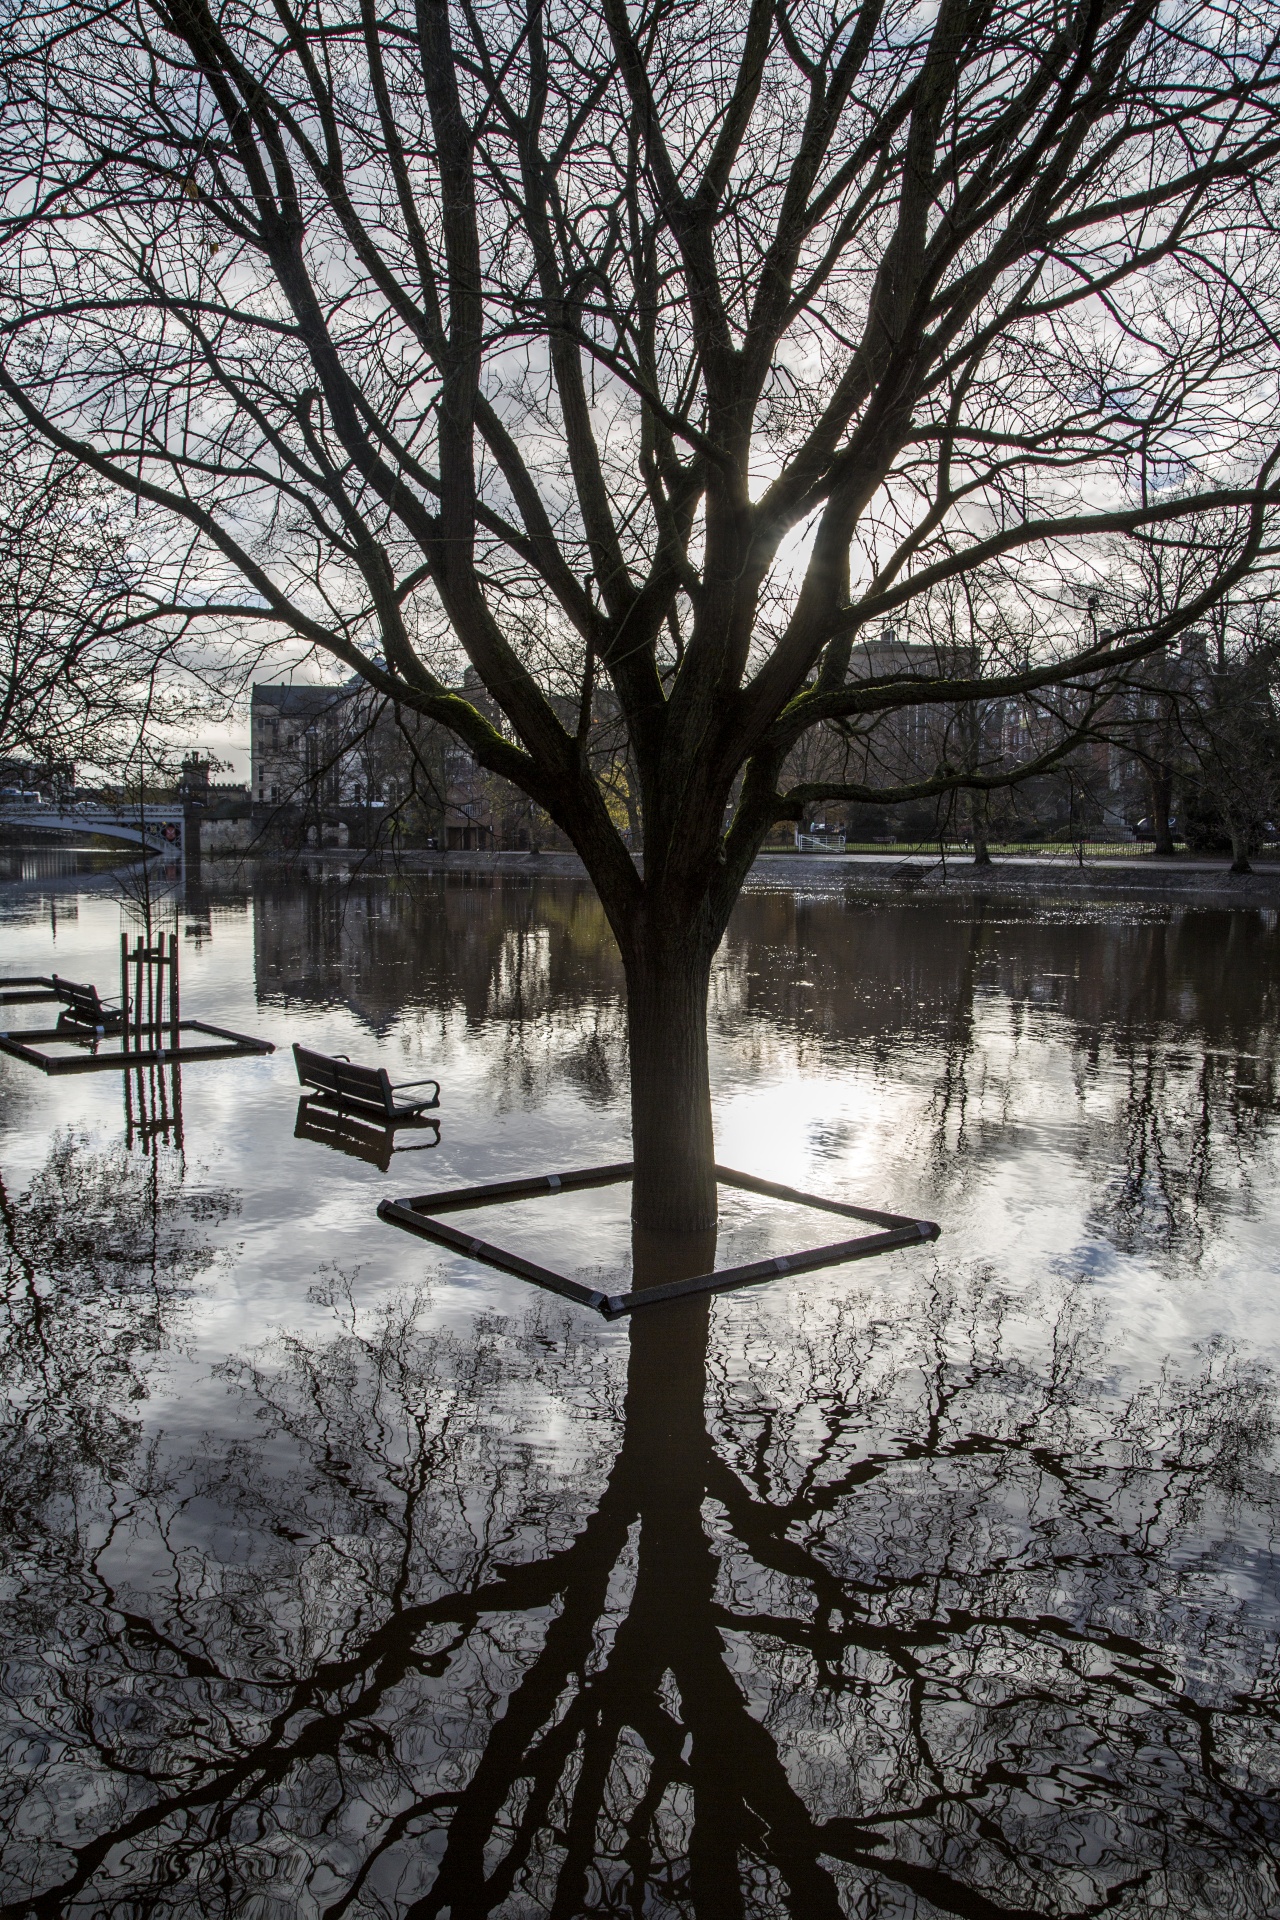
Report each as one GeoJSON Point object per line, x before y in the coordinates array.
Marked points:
{"type": "Point", "coordinates": [85, 1008]}
{"type": "Point", "coordinates": [339, 1083]}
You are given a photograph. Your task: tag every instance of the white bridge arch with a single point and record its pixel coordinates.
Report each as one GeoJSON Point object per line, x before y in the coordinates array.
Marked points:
{"type": "Point", "coordinates": [159, 829]}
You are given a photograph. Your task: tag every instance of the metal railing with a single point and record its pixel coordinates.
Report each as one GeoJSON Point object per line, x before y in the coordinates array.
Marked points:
{"type": "Point", "coordinates": [1066, 851]}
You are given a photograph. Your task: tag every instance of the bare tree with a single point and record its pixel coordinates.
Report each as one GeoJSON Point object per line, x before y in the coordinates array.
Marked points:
{"type": "Point", "coordinates": [1229, 720]}
{"type": "Point", "coordinates": [85, 668]}
{"type": "Point", "coordinates": [659, 349]}
{"type": "Point", "coordinates": [1156, 742]}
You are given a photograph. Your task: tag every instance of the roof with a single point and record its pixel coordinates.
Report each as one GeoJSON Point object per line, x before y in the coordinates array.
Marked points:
{"type": "Point", "coordinates": [303, 699]}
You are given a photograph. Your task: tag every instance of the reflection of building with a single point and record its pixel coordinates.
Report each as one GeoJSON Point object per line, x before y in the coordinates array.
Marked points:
{"type": "Point", "coordinates": [478, 947]}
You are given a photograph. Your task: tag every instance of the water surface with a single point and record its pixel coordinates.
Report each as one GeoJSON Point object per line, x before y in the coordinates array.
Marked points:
{"type": "Point", "coordinates": [341, 1576]}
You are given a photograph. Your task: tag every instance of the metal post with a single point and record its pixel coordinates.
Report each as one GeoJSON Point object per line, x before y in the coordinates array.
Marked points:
{"type": "Point", "coordinates": [124, 986]}
{"type": "Point", "coordinates": [173, 991]}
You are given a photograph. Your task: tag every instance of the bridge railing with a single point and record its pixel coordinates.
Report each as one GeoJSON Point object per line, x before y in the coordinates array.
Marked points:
{"type": "Point", "coordinates": [96, 809]}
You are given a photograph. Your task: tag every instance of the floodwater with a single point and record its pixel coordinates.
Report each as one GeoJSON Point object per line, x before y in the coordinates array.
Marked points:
{"type": "Point", "coordinates": [341, 1576]}
{"type": "Point", "coordinates": [50, 860]}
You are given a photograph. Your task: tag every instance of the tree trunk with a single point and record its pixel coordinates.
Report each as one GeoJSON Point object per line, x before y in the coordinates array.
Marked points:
{"type": "Point", "coordinates": [978, 821]}
{"type": "Point", "coordinates": [1239, 850]}
{"type": "Point", "coordinates": [1161, 802]}
{"type": "Point", "coordinates": [674, 1187]}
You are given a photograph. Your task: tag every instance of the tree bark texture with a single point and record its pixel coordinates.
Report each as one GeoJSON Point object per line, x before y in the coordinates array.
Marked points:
{"type": "Point", "coordinates": [674, 1188]}
{"type": "Point", "coordinates": [978, 818]}
{"type": "Point", "coordinates": [1239, 850]}
{"type": "Point", "coordinates": [1161, 804]}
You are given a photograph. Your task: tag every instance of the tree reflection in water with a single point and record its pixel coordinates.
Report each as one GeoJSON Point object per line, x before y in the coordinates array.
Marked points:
{"type": "Point", "coordinates": [95, 1256]}
{"type": "Point", "coordinates": [462, 1624]}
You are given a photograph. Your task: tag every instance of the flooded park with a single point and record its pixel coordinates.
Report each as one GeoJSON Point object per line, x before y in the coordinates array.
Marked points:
{"type": "Point", "coordinates": [344, 1575]}
{"type": "Point", "coordinates": [640, 961]}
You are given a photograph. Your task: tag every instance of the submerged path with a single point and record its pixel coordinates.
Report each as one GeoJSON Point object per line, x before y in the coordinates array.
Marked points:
{"type": "Point", "coordinates": [1186, 878]}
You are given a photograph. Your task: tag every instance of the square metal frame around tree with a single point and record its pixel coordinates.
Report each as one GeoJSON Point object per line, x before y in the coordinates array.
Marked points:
{"type": "Point", "coordinates": [420, 1215]}
{"type": "Point", "coordinates": [103, 1053]}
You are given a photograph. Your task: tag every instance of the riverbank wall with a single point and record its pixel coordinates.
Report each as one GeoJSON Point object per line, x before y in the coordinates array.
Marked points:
{"type": "Point", "coordinates": [1184, 880]}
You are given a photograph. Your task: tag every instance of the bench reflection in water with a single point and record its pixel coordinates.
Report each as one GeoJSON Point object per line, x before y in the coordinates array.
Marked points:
{"type": "Point", "coordinates": [357, 1134]}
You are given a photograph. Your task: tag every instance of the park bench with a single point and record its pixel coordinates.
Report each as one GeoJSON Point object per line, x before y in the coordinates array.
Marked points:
{"type": "Point", "coordinates": [143, 1024]}
{"type": "Point", "coordinates": [83, 1007]}
{"type": "Point", "coordinates": [338, 1082]}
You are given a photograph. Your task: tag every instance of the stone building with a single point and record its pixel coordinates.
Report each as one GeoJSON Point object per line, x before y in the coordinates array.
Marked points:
{"type": "Point", "coordinates": [340, 765]}
{"type": "Point", "coordinates": [1101, 785]}
{"type": "Point", "coordinates": [297, 745]}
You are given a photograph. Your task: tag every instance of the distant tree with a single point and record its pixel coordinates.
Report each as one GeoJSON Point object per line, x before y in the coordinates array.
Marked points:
{"type": "Point", "coordinates": [1229, 717]}
{"type": "Point", "coordinates": [1159, 750]}
{"type": "Point", "coordinates": [1154, 738]}
{"type": "Point", "coordinates": [659, 349]}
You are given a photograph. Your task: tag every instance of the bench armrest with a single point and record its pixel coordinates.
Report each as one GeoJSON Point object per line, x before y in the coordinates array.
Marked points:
{"type": "Point", "coordinates": [398, 1086]}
